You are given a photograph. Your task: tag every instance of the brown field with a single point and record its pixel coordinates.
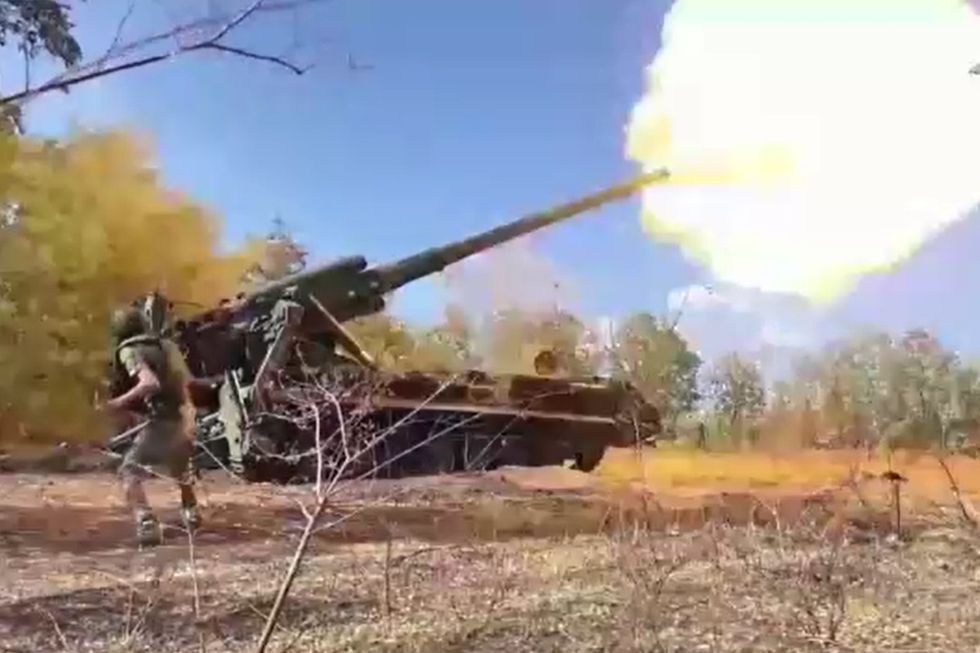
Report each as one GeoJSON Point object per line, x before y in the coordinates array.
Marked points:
{"type": "Point", "coordinates": [670, 550]}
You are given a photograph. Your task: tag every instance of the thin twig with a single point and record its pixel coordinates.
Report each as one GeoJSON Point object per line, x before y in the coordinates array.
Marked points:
{"type": "Point", "coordinates": [287, 582]}
{"type": "Point", "coordinates": [119, 30]}
{"type": "Point", "coordinates": [342, 457]}
{"type": "Point", "coordinates": [129, 614]}
{"type": "Point", "coordinates": [57, 630]}
{"type": "Point", "coordinates": [311, 523]}
{"type": "Point", "coordinates": [897, 491]}
{"type": "Point", "coordinates": [197, 593]}
{"type": "Point", "coordinates": [300, 631]}
{"type": "Point", "coordinates": [98, 69]}
{"type": "Point", "coordinates": [259, 57]}
{"type": "Point", "coordinates": [236, 21]}
{"type": "Point", "coordinates": [319, 457]}
{"type": "Point", "coordinates": [387, 580]}
{"type": "Point", "coordinates": [967, 509]}
{"type": "Point", "coordinates": [27, 70]}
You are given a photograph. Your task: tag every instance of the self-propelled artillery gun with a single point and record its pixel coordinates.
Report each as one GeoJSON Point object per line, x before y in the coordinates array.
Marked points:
{"type": "Point", "coordinates": [282, 387]}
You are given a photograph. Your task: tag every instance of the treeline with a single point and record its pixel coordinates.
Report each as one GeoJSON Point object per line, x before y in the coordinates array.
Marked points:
{"type": "Point", "coordinates": [874, 389]}
{"type": "Point", "coordinates": [906, 390]}
{"type": "Point", "coordinates": [870, 390]}
{"type": "Point", "coordinates": [643, 348]}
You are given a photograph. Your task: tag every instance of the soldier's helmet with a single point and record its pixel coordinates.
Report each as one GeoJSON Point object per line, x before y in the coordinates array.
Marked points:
{"type": "Point", "coordinates": [128, 322]}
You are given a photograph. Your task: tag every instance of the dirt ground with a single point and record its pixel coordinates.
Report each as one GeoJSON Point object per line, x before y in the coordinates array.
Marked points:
{"type": "Point", "coordinates": [518, 559]}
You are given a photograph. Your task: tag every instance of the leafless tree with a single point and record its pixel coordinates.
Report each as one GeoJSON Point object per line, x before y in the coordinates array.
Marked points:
{"type": "Point", "coordinates": [344, 444]}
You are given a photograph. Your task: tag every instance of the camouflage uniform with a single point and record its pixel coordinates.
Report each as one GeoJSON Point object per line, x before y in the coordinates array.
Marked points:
{"type": "Point", "coordinates": [167, 438]}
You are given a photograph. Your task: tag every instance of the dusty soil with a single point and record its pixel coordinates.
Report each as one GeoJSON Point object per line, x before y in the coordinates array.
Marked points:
{"type": "Point", "coordinates": [544, 559]}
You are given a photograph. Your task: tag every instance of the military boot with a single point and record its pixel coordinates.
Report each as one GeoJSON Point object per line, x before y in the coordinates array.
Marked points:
{"type": "Point", "coordinates": [148, 530]}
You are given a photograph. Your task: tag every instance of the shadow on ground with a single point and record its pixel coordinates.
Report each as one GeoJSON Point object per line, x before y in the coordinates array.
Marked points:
{"type": "Point", "coordinates": [114, 615]}
{"type": "Point", "coordinates": [489, 517]}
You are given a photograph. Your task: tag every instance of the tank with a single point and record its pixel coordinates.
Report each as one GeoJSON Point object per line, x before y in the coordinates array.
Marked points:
{"type": "Point", "coordinates": [275, 367]}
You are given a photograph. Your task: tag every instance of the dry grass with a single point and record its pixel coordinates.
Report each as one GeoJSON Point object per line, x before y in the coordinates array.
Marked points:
{"type": "Point", "coordinates": [690, 469]}
{"type": "Point", "coordinates": [472, 566]}
{"type": "Point", "coordinates": [718, 589]}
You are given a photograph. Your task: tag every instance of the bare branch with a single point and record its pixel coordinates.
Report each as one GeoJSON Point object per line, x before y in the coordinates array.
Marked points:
{"type": "Point", "coordinates": [294, 566]}
{"type": "Point", "coordinates": [192, 561]}
{"type": "Point", "coordinates": [98, 68]}
{"type": "Point", "coordinates": [236, 21]}
{"type": "Point", "coordinates": [57, 630]}
{"type": "Point", "coordinates": [259, 57]}
{"type": "Point", "coordinates": [343, 453]}
{"type": "Point", "coordinates": [319, 456]}
{"type": "Point", "coordinates": [387, 579]}
{"type": "Point", "coordinates": [119, 29]}
{"type": "Point", "coordinates": [64, 84]}
{"type": "Point", "coordinates": [967, 509]}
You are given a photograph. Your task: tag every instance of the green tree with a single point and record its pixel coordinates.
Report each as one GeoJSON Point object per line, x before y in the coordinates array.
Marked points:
{"type": "Point", "coordinates": [737, 389]}
{"type": "Point", "coordinates": [781, 396]}
{"type": "Point", "coordinates": [656, 359]}
{"type": "Point", "coordinates": [39, 25]}
{"type": "Point", "coordinates": [510, 340]}
{"type": "Point", "coordinates": [396, 345]}
{"type": "Point", "coordinates": [35, 26]}
{"type": "Point", "coordinates": [929, 374]}
{"type": "Point", "coordinates": [906, 389]}
{"type": "Point", "coordinates": [448, 346]}
{"type": "Point", "coordinates": [388, 340]}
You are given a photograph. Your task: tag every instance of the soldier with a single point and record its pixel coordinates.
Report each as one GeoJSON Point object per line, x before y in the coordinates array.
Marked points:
{"type": "Point", "coordinates": [156, 377]}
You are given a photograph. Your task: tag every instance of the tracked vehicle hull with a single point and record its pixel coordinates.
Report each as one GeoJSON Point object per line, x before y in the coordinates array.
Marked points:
{"type": "Point", "coordinates": [424, 423]}
{"type": "Point", "coordinates": [525, 419]}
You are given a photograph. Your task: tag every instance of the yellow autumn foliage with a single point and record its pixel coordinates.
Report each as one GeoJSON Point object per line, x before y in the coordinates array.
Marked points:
{"type": "Point", "coordinates": [86, 224]}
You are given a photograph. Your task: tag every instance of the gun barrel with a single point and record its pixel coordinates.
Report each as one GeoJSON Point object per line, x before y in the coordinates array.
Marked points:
{"type": "Point", "coordinates": [395, 275]}
{"type": "Point", "coordinates": [346, 265]}
{"type": "Point", "coordinates": [349, 288]}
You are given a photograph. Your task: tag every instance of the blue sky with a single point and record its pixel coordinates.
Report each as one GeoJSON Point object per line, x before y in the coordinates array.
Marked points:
{"type": "Point", "coordinates": [473, 113]}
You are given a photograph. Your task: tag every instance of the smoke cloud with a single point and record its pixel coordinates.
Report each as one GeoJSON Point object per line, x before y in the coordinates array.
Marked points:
{"type": "Point", "coordinates": [810, 141]}
{"type": "Point", "coordinates": [514, 276]}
